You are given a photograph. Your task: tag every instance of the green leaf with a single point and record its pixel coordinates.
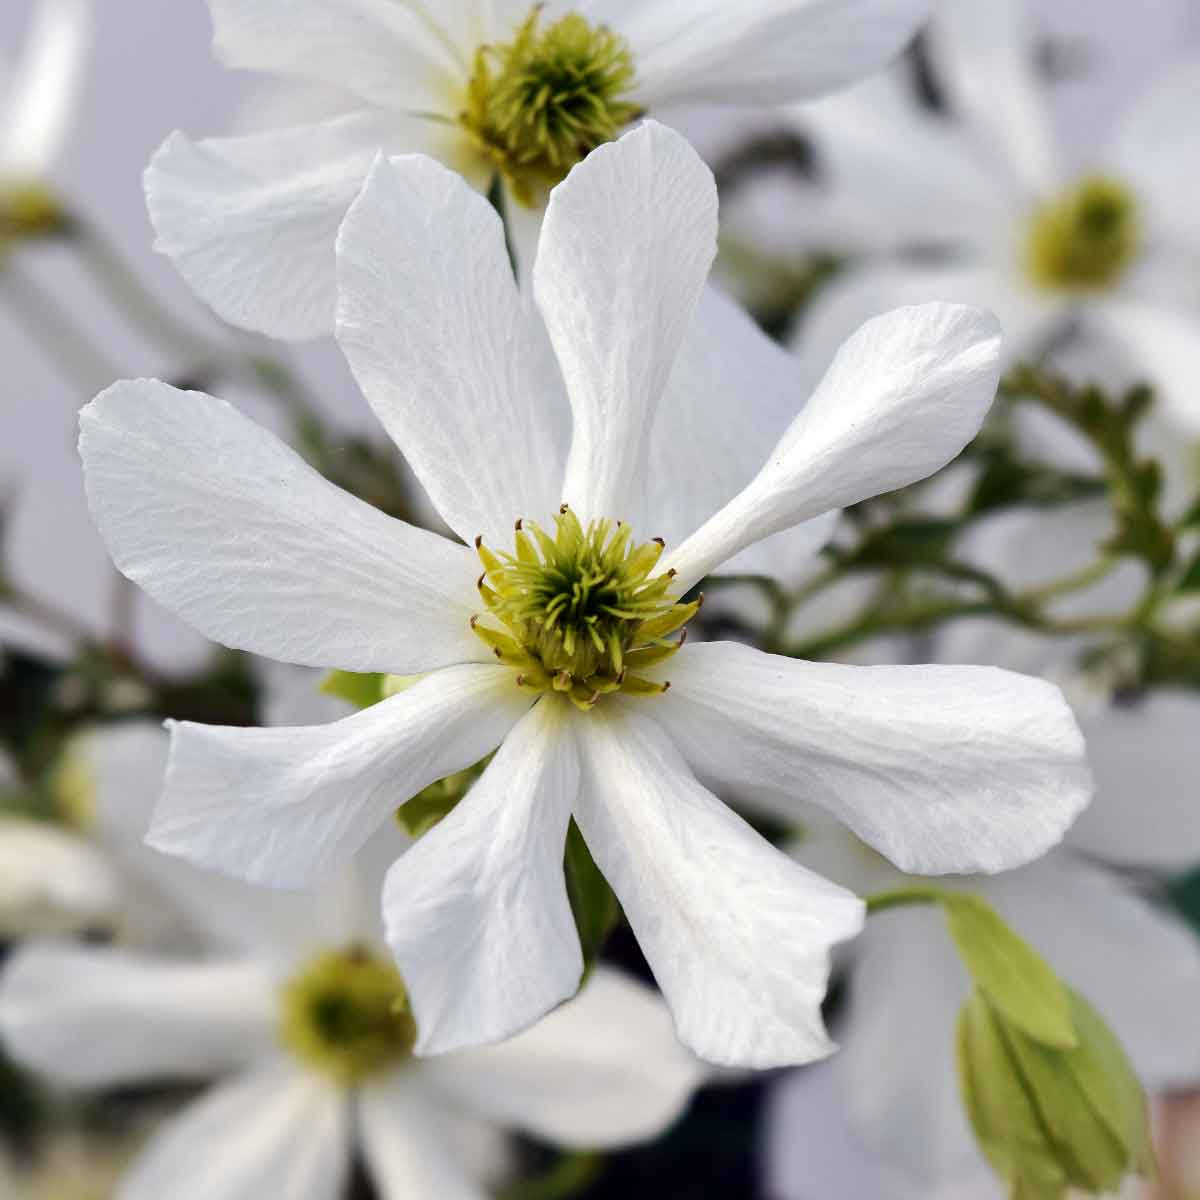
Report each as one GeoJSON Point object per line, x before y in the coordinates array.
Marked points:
{"type": "Point", "coordinates": [1009, 972]}
{"type": "Point", "coordinates": [360, 690]}
{"type": "Point", "coordinates": [592, 901]}
{"type": "Point", "coordinates": [1190, 581]}
{"type": "Point", "coordinates": [420, 814]}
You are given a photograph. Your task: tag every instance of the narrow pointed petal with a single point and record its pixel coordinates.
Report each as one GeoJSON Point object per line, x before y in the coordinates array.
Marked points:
{"type": "Point", "coordinates": [226, 526]}
{"type": "Point", "coordinates": [940, 768]}
{"type": "Point", "coordinates": [287, 807]}
{"type": "Point", "coordinates": [772, 52]}
{"type": "Point", "coordinates": [278, 1131]}
{"type": "Point", "coordinates": [447, 352]}
{"type": "Point", "coordinates": [626, 246]}
{"type": "Point", "coordinates": [738, 935]}
{"type": "Point", "coordinates": [477, 912]}
{"type": "Point", "coordinates": [100, 1017]}
{"type": "Point", "coordinates": [603, 1070]}
{"type": "Point", "coordinates": [902, 398]}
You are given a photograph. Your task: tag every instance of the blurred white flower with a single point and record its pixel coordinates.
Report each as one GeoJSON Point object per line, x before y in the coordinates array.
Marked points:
{"type": "Point", "coordinates": [1111, 250]}
{"type": "Point", "coordinates": [944, 769]}
{"type": "Point", "coordinates": [309, 1039]}
{"type": "Point", "coordinates": [70, 1165]}
{"type": "Point", "coordinates": [890, 1103]}
{"type": "Point", "coordinates": [511, 90]}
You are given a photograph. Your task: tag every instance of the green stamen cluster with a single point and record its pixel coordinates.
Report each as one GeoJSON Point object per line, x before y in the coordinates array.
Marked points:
{"type": "Point", "coordinates": [582, 610]}
{"type": "Point", "coordinates": [1086, 239]}
{"type": "Point", "coordinates": [541, 103]}
{"type": "Point", "coordinates": [347, 1014]}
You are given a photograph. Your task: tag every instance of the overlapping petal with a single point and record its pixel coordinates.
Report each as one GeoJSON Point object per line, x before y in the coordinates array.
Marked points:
{"type": "Point", "coordinates": [626, 246]}
{"type": "Point", "coordinates": [903, 396]}
{"type": "Point", "coordinates": [477, 912]}
{"type": "Point", "coordinates": [942, 769]}
{"type": "Point", "coordinates": [737, 935]}
{"type": "Point", "coordinates": [93, 1017]}
{"type": "Point", "coordinates": [286, 807]}
{"type": "Point", "coordinates": [602, 1070]}
{"type": "Point", "coordinates": [448, 354]}
{"type": "Point", "coordinates": [222, 523]}
{"type": "Point", "coordinates": [770, 52]}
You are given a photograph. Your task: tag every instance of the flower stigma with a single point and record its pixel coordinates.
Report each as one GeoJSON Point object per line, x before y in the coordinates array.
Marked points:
{"type": "Point", "coordinates": [1084, 240]}
{"type": "Point", "coordinates": [347, 1015]}
{"type": "Point", "coordinates": [582, 611]}
{"type": "Point", "coordinates": [541, 103]}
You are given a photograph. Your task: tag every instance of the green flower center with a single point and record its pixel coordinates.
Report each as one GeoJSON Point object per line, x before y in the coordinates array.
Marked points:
{"type": "Point", "coordinates": [582, 611]}
{"type": "Point", "coordinates": [541, 103]}
{"type": "Point", "coordinates": [347, 1014]}
{"type": "Point", "coordinates": [1085, 239]}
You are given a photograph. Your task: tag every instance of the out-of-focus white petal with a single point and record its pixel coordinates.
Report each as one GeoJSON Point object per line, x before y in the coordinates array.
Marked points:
{"type": "Point", "coordinates": [389, 54]}
{"type": "Point", "coordinates": [477, 912]}
{"type": "Point", "coordinates": [985, 57]}
{"type": "Point", "coordinates": [737, 935]}
{"type": "Point", "coordinates": [941, 769]}
{"type": "Point", "coordinates": [769, 52]}
{"type": "Point", "coordinates": [603, 1070]}
{"type": "Point", "coordinates": [225, 525]}
{"type": "Point", "coordinates": [406, 1139]}
{"type": "Point", "coordinates": [446, 351]}
{"type": "Point", "coordinates": [277, 1132]}
{"type": "Point", "coordinates": [286, 807]}
{"type": "Point", "coordinates": [903, 396]}
{"type": "Point", "coordinates": [100, 1017]}
{"type": "Point", "coordinates": [1146, 756]}
{"type": "Point", "coordinates": [42, 99]}
{"type": "Point", "coordinates": [626, 246]}
{"type": "Point", "coordinates": [1136, 963]}
{"type": "Point", "coordinates": [251, 222]}
{"type": "Point", "coordinates": [52, 881]}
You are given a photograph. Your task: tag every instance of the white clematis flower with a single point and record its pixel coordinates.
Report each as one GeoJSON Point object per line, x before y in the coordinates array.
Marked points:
{"type": "Point", "coordinates": [559, 656]}
{"type": "Point", "coordinates": [507, 90]}
{"type": "Point", "coordinates": [308, 1038]}
{"type": "Point", "coordinates": [39, 97]}
{"type": "Point", "coordinates": [1110, 248]}
{"type": "Point", "coordinates": [890, 1098]}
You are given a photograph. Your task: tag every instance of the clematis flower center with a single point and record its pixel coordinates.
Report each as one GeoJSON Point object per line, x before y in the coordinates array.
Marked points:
{"type": "Point", "coordinates": [541, 103]}
{"type": "Point", "coordinates": [347, 1015]}
{"type": "Point", "coordinates": [582, 611]}
{"type": "Point", "coordinates": [1086, 238]}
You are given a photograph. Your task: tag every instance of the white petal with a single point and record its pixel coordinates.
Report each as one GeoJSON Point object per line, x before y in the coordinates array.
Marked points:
{"type": "Point", "coordinates": [278, 1132]}
{"type": "Point", "coordinates": [52, 881]}
{"type": "Point", "coordinates": [389, 54]}
{"type": "Point", "coordinates": [985, 56]}
{"type": "Point", "coordinates": [1144, 754]}
{"type": "Point", "coordinates": [603, 1070]}
{"type": "Point", "coordinates": [250, 222]}
{"type": "Point", "coordinates": [477, 912]}
{"type": "Point", "coordinates": [768, 52]}
{"type": "Point", "coordinates": [406, 1142]}
{"type": "Point", "coordinates": [42, 100]}
{"type": "Point", "coordinates": [225, 525]}
{"type": "Point", "coordinates": [446, 351]}
{"type": "Point", "coordinates": [737, 935]}
{"type": "Point", "coordinates": [941, 769]}
{"type": "Point", "coordinates": [626, 246]}
{"type": "Point", "coordinates": [1136, 963]}
{"type": "Point", "coordinates": [286, 807]}
{"type": "Point", "coordinates": [92, 1017]}
{"type": "Point", "coordinates": [902, 398]}
{"type": "Point", "coordinates": [731, 396]}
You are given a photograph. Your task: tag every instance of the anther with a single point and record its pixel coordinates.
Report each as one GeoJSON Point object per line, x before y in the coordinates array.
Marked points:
{"type": "Point", "coordinates": [478, 541]}
{"type": "Point", "coordinates": [660, 542]}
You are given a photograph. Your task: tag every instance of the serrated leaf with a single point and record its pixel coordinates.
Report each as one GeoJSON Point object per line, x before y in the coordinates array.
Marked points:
{"type": "Point", "coordinates": [360, 690]}
{"type": "Point", "coordinates": [1013, 976]}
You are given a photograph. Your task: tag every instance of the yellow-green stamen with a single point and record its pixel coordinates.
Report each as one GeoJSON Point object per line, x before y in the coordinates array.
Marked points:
{"type": "Point", "coordinates": [581, 612]}
{"type": "Point", "coordinates": [347, 1015]}
{"type": "Point", "coordinates": [1086, 239]}
{"type": "Point", "coordinates": [541, 103]}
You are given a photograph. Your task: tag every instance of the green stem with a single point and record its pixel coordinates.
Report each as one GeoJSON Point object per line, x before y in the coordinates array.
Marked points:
{"type": "Point", "coordinates": [903, 898]}
{"type": "Point", "coordinates": [568, 1177]}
